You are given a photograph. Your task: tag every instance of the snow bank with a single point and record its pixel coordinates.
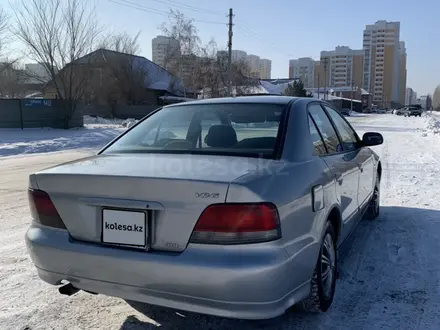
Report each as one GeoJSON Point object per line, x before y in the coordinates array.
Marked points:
{"type": "Point", "coordinates": [96, 133]}
{"type": "Point", "coordinates": [432, 126]}
{"type": "Point", "coordinates": [30, 141]}
{"type": "Point", "coordinates": [357, 114]}
{"type": "Point", "coordinates": [91, 120]}
{"type": "Point", "coordinates": [129, 122]}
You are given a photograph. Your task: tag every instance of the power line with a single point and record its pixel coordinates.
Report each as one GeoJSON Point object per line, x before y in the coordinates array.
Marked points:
{"type": "Point", "coordinates": [249, 33]}
{"type": "Point", "coordinates": [131, 5]}
{"type": "Point", "coordinates": [190, 7]}
{"type": "Point", "coordinates": [136, 6]}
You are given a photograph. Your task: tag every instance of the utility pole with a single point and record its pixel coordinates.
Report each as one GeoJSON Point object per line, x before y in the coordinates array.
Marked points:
{"type": "Point", "coordinates": [231, 15]}
{"type": "Point", "coordinates": [351, 101]}
{"type": "Point", "coordinates": [325, 62]}
{"type": "Point", "coordinates": [318, 85]}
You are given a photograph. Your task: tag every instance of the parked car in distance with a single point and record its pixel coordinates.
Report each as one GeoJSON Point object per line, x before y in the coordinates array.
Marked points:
{"type": "Point", "coordinates": [412, 111]}
{"type": "Point", "coordinates": [345, 112]}
{"type": "Point", "coordinates": [399, 111]}
{"type": "Point", "coordinates": [382, 111]}
{"type": "Point", "coordinates": [212, 217]}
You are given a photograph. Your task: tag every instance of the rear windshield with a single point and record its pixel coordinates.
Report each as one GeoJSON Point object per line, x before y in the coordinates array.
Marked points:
{"type": "Point", "coordinates": [246, 129]}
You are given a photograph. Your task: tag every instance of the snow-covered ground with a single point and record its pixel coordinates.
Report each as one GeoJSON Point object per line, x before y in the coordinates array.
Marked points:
{"type": "Point", "coordinates": [96, 133]}
{"type": "Point", "coordinates": [390, 274]}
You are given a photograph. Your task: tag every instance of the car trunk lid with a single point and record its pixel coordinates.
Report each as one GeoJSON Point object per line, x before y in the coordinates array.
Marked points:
{"type": "Point", "coordinates": [171, 190]}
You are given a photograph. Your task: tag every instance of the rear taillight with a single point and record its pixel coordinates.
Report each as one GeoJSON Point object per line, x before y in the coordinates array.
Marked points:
{"type": "Point", "coordinates": [43, 210]}
{"type": "Point", "coordinates": [237, 223]}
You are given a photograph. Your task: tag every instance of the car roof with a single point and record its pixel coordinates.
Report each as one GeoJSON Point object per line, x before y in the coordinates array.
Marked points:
{"type": "Point", "coordinates": [272, 99]}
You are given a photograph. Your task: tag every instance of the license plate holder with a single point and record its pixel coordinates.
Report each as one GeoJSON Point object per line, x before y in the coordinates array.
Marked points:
{"type": "Point", "coordinates": [124, 228]}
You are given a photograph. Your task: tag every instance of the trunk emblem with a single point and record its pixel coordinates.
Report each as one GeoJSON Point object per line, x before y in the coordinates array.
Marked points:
{"type": "Point", "coordinates": [207, 195]}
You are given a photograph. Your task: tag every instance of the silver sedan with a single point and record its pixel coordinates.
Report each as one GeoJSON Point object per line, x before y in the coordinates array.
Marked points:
{"type": "Point", "coordinates": [232, 207]}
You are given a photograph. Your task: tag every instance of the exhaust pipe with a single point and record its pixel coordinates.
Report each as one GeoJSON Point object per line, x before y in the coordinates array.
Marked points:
{"type": "Point", "coordinates": [68, 289]}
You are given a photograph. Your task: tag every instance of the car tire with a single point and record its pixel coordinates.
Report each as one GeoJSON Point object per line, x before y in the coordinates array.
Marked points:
{"type": "Point", "coordinates": [323, 281]}
{"type": "Point", "coordinates": [373, 209]}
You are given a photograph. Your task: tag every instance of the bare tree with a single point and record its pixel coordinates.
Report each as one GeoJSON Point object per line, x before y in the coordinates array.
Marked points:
{"type": "Point", "coordinates": [121, 42]}
{"type": "Point", "coordinates": [4, 18]}
{"type": "Point", "coordinates": [181, 55]}
{"type": "Point", "coordinates": [7, 64]}
{"type": "Point", "coordinates": [11, 81]}
{"type": "Point", "coordinates": [58, 34]}
{"type": "Point", "coordinates": [127, 75]}
{"type": "Point", "coordinates": [212, 75]}
{"type": "Point", "coordinates": [199, 65]}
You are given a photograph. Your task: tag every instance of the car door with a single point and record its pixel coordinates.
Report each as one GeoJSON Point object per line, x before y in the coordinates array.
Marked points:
{"type": "Point", "coordinates": [343, 166]}
{"type": "Point", "coordinates": [361, 155]}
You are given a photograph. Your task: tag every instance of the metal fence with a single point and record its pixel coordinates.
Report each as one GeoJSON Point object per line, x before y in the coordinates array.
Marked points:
{"type": "Point", "coordinates": [34, 113]}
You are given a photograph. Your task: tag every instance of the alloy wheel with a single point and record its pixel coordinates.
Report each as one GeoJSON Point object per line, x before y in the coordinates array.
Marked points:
{"type": "Point", "coordinates": [328, 266]}
{"type": "Point", "coordinates": [376, 200]}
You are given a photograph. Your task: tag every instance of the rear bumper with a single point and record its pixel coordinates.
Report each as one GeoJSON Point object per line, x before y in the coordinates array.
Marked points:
{"type": "Point", "coordinates": [249, 283]}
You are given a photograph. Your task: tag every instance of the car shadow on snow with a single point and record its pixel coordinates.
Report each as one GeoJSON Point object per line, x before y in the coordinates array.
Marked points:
{"type": "Point", "coordinates": [369, 237]}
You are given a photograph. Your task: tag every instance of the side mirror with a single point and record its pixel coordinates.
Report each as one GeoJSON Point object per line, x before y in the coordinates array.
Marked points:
{"type": "Point", "coordinates": [372, 139]}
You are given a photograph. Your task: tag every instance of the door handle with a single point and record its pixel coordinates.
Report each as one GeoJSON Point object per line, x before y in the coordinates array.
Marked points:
{"type": "Point", "coordinates": [361, 168]}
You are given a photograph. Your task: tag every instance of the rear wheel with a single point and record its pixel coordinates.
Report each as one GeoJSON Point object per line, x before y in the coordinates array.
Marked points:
{"type": "Point", "coordinates": [374, 206]}
{"type": "Point", "coordinates": [324, 277]}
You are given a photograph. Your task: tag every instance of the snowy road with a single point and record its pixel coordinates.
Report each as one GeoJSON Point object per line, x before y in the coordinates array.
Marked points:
{"type": "Point", "coordinates": [390, 274]}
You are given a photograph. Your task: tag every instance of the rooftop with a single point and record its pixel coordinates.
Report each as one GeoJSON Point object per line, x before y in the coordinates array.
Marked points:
{"type": "Point", "coordinates": [272, 99]}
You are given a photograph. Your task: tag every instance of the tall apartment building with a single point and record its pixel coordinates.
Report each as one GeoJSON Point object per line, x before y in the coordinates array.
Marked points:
{"type": "Point", "coordinates": [304, 69]}
{"type": "Point", "coordinates": [344, 67]}
{"type": "Point", "coordinates": [403, 73]}
{"type": "Point", "coordinates": [382, 63]}
{"type": "Point", "coordinates": [258, 68]}
{"type": "Point", "coordinates": [410, 96]}
{"type": "Point", "coordinates": [254, 65]}
{"type": "Point", "coordinates": [425, 101]}
{"type": "Point", "coordinates": [162, 48]}
{"type": "Point", "coordinates": [436, 98]}
{"type": "Point", "coordinates": [238, 55]}
{"type": "Point", "coordinates": [265, 68]}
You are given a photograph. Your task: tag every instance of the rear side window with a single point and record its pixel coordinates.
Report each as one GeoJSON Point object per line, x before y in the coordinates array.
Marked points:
{"type": "Point", "coordinates": [318, 143]}
{"type": "Point", "coordinates": [326, 129]}
{"type": "Point", "coordinates": [348, 136]}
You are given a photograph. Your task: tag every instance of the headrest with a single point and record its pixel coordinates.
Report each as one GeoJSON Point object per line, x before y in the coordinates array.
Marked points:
{"type": "Point", "coordinates": [221, 136]}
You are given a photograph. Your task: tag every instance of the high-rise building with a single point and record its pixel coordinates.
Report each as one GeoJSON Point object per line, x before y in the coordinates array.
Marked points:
{"type": "Point", "coordinates": [265, 68]}
{"type": "Point", "coordinates": [382, 63]}
{"type": "Point", "coordinates": [254, 65]}
{"type": "Point", "coordinates": [410, 96]}
{"type": "Point", "coordinates": [238, 55]}
{"type": "Point", "coordinates": [164, 49]}
{"type": "Point", "coordinates": [423, 101]}
{"type": "Point", "coordinates": [319, 77]}
{"type": "Point", "coordinates": [403, 72]}
{"type": "Point", "coordinates": [344, 67]}
{"type": "Point", "coordinates": [304, 69]}
{"type": "Point", "coordinates": [258, 68]}
{"type": "Point", "coordinates": [436, 98]}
